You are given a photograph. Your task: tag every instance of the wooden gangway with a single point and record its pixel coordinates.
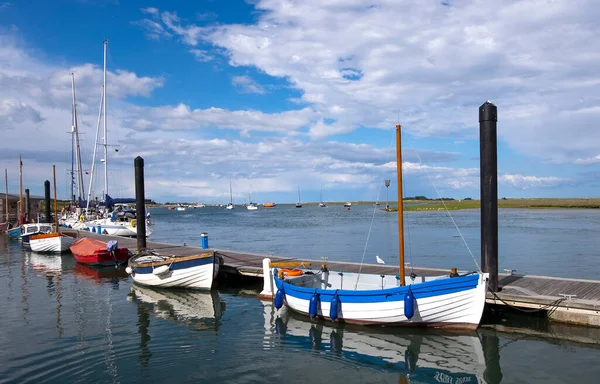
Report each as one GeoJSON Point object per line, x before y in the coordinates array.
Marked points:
{"type": "Point", "coordinates": [564, 299]}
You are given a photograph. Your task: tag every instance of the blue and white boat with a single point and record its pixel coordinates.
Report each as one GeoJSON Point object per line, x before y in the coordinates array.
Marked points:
{"type": "Point", "coordinates": [169, 271]}
{"type": "Point", "coordinates": [453, 301]}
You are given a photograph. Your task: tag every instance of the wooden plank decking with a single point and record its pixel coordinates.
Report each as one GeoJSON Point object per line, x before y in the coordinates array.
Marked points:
{"type": "Point", "coordinates": [566, 300]}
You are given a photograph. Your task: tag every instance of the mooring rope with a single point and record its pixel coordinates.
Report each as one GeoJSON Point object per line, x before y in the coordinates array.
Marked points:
{"type": "Point", "coordinates": [448, 211]}
{"type": "Point", "coordinates": [554, 304]}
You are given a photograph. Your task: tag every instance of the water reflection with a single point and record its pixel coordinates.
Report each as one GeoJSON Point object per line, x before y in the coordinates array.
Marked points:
{"type": "Point", "coordinates": [419, 356]}
{"type": "Point", "coordinates": [101, 275]}
{"type": "Point", "coordinates": [50, 268]}
{"type": "Point", "coordinates": [202, 310]}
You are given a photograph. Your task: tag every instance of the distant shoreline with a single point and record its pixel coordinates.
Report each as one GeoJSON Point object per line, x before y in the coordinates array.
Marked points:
{"type": "Point", "coordinates": [427, 205]}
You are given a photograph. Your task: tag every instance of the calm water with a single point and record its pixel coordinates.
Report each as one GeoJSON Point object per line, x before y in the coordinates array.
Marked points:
{"type": "Point", "coordinates": [65, 322]}
{"type": "Point", "coordinates": [561, 243]}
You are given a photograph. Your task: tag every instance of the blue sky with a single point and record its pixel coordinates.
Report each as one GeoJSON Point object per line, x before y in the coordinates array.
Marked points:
{"type": "Point", "coordinates": [279, 94]}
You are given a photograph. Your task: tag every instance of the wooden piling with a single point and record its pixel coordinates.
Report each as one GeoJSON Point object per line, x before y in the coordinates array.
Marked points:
{"type": "Point", "coordinates": [47, 202]}
{"type": "Point", "coordinates": [488, 118]}
{"type": "Point", "coordinates": [140, 207]}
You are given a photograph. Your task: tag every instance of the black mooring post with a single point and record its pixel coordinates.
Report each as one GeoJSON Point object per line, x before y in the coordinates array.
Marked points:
{"type": "Point", "coordinates": [27, 204]}
{"type": "Point", "coordinates": [491, 352]}
{"type": "Point", "coordinates": [140, 207]}
{"type": "Point", "coordinates": [47, 201]}
{"type": "Point", "coordinates": [488, 118]}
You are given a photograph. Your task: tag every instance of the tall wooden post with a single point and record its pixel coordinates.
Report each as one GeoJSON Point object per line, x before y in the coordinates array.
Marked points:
{"type": "Point", "coordinates": [488, 118]}
{"type": "Point", "coordinates": [140, 207]}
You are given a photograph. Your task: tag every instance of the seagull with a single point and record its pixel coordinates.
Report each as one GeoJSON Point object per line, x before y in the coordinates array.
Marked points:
{"type": "Point", "coordinates": [379, 260]}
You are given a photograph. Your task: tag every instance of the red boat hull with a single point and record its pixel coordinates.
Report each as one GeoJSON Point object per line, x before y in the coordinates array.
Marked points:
{"type": "Point", "coordinates": [93, 252]}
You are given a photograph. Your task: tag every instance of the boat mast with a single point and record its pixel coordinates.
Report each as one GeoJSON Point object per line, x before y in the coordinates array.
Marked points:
{"type": "Point", "coordinates": [80, 185]}
{"type": "Point", "coordinates": [20, 189]}
{"type": "Point", "coordinates": [55, 205]}
{"type": "Point", "coordinates": [72, 197]}
{"type": "Point", "coordinates": [91, 184]}
{"type": "Point", "coordinates": [298, 194]}
{"type": "Point", "coordinates": [6, 195]}
{"type": "Point", "coordinates": [230, 194]}
{"type": "Point", "coordinates": [105, 143]}
{"type": "Point", "coordinates": [400, 202]}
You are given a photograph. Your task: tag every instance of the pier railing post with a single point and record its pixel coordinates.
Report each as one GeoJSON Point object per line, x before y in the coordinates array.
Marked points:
{"type": "Point", "coordinates": [47, 201]}
{"type": "Point", "coordinates": [140, 207]}
{"type": "Point", "coordinates": [488, 118]}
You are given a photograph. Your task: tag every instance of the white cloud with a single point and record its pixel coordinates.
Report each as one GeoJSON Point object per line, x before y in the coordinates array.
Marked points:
{"type": "Point", "coordinates": [201, 55]}
{"type": "Point", "coordinates": [588, 160]}
{"type": "Point", "coordinates": [247, 85]}
{"type": "Point", "coordinates": [16, 111]}
{"type": "Point", "coordinates": [434, 63]}
{"type": "Point", "coordinates": [528, 182]}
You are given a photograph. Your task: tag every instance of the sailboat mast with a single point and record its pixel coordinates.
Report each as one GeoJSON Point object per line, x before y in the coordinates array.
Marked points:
{"type": "Point", "coordinates": [80, 186]}
{"type": "Point", "coordinates": [400, 202]}
{"type": "Point", "coordinates": [298, 194]}
{"type": "Point", "coordinates": [230, 193]}
{"type": "Point", "coordinates": [104, 111]}
{"type": "Point", "coordinates": [55, 204]}
{"type": "Point", "coordinates": [20, 188]}
{"type": "Point", "coordinates": [6, 195]}
{"type": "Point", "coordinates": [73, 148]}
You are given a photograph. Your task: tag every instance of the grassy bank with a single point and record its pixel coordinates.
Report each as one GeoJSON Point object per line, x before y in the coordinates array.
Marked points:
{"type": "Point", "coordinates": [419, 205]}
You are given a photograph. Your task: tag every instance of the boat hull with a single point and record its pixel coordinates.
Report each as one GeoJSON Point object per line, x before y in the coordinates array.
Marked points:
{"type": "Point", "coordinates": [96, 254]}
{"type": "Point", "coordinates": [452, 302]}
{"type": "Point", "coordinates": [51, 242]}
{"type": "Point", "coordinates": [122, 229]}
{"type": "Point", "coordinates": [14, 233]}
{"type": "Point", "coordinates": [196, 272]}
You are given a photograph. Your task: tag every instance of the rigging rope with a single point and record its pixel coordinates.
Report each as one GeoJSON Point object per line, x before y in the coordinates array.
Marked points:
{"type": "Point", "coordinates": [370, 228]}
{"type": "Point", "coordinates": [448, 211]}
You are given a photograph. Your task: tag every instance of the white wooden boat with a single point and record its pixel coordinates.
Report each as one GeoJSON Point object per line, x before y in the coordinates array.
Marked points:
{"type": "Point", "coordinates": [168, 271]}
{"type": "Point", "coordinates": [455, 300]}
{"type": "Point", "coordinates": [421, 357]}
{"type": "Point", "coordinates": [51, 242]}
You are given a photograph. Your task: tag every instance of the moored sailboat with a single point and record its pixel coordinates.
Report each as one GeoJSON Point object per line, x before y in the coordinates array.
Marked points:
{"type": "Point", "coordinates": [298, 204]}
{"type": "Point", "coordinates": [230, 204]}
{"type": "Point", "coordinates": [452, 301]}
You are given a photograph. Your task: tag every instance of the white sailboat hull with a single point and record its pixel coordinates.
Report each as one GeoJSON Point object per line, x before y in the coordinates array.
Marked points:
{"type": "Point", "coordinates": [115, 228]}
{"type": "Point", "coordinates": [55, 244]}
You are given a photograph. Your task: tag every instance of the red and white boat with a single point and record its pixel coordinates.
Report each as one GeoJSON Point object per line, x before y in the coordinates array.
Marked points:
{"type": "Point", "coordinates": [54, 242]}
{"type": "Point", "coordinates": [97, 252]}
